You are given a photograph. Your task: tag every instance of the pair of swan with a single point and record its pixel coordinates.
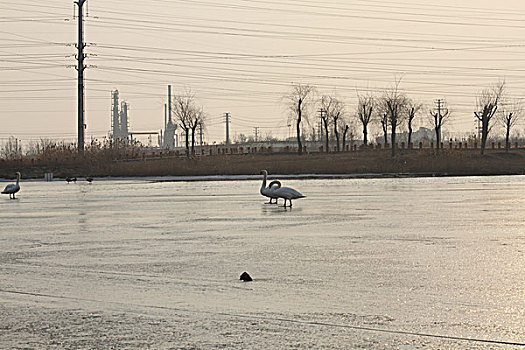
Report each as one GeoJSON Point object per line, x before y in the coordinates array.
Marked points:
{"type": "Point", "coordinates": [74, 179]}
{"type": "Point", "coordinates": [275, 191]}
{"type": "Point", "coordinates": [11, 189]}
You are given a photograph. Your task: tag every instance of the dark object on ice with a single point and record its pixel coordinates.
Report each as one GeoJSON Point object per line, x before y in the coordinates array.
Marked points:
{"type": "Point", "coordinates": [89, 179]}
{"type": "Point", "coordinates": [246, 277]}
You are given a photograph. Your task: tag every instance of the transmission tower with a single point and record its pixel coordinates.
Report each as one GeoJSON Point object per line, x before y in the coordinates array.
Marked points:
{"type": "Point", "coordinates": [80, 69]}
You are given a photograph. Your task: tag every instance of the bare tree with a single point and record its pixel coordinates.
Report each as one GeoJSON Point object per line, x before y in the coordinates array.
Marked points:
{"type": "Point", "coordinates": [487, 105]}
{"type": "Point", "coordinates": [337, 112]}
{"type": "Point", "coordinates": [197, 119]}
{"type": "Point", "coordinates": [241, 138]}
{"type": "Point", "coordinates": [12, 149]}
{"type": "Point", "coordinates": [438, 117]}
{"type": "Point", "coordinates": [186, 114]}
{"type": "Point", "coordinates": [347, 129]}
{"type": "Point", "coordinates": [365, 108]}
{"type": "Point", "coordinates": [268, 137]}
{"type": "Point", "coordinates": [334, 110]}
{"type": "Point", "coordinates": [412, 110]}
{"type": "Point", "coordinates": [326, 102]}
{"type": "Point", "coordinates": [298, 103]}
{"type": "Point", "coordinates": [393, 103]}
{"type": "Point", "coordinates": [511, 113]}
{"type": "Point", "coordinates": [313, 135]}
{"type": "Point", "coordinates": [384, 126]}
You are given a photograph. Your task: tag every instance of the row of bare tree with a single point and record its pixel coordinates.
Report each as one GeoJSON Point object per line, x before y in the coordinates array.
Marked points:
{"type": "Point", "coordinates": [392, 109]}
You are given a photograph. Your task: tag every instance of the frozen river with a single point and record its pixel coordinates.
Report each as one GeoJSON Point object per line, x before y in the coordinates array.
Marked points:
{"type": "Point", "coordinates": [432, 263]}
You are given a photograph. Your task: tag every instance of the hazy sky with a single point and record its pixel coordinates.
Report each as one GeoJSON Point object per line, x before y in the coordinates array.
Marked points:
{"type": "Point", "coordinates": [241, 56]}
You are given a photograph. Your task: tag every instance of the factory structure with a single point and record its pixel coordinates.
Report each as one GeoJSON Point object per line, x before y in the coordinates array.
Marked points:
{"type": "Point", "coordinates": [168, 138]}
{"type": "Point", "coordinates": [119, 118]}
{"type": "Point", "coordinates": [120, 126]}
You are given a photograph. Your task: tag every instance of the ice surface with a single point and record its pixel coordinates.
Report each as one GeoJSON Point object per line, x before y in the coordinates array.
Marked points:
{"type": "Point", "coordinates": [137, 264]}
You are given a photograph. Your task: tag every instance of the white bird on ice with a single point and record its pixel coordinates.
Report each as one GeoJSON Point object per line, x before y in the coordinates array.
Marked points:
{"type": "Point", "coordinates": [268, 191]}
{"type": "Point", "coordinates": [11, 189]}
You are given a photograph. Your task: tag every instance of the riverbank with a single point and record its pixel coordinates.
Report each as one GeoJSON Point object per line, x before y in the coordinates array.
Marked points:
{"type": "Point", "coordinates": [351, 164]}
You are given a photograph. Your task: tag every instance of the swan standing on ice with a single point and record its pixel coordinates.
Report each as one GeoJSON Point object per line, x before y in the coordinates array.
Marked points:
{"type": "Point", "coordinates": [11, 189]}
{"type": "Point", "coordinates": [286, 193]}
{"type": "Point", "coordinates": [69, 179]}
{"type": "Point", "coordinates": [268, 191]}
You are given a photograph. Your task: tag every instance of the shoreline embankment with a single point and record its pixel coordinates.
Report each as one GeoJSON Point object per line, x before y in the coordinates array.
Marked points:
{"type": "Point", "coordinates": [366, 164]}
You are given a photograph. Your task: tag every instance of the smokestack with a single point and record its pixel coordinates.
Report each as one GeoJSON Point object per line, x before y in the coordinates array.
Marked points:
{"type": "Point", "coordinates": [165, 116]}
{"type": "Point", "coordinates": [115, 115]}
{"type": "Point", "coordinates": [124, 120]}
{"type": "Point", "coordinates": [169, 103]}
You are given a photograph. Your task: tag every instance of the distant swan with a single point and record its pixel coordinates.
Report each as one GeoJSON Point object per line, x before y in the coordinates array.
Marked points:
{"type": "Point", "coordinates": [286, 193]}
{"type": "Point", "coordinates": [69, 179]}
{"type": "Point", "coordinates": [11, 189]}
{"type": "Point", "coordinates": [268, 191]}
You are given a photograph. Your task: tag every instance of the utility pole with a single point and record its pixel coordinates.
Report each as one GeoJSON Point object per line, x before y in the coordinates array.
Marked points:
{"type": "Point", "coordinates": [227, 128]}
{"type": "Point", "coordinates": [321, 114]}
{"type": "Point", "coordinates": [256, 131]}
{"type": "Point", "coordinates": [442, 113]}
{"type": "Point", "coordinates": [80, 68]}
{"type": "Point", "coordinates": [165, 116]}
{"type": "Point", "coordinates": [438, 137]}
{"type": "Point", "coordinates": [169, 104]}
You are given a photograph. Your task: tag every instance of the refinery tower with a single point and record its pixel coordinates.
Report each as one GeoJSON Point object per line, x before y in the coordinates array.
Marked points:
{"type": "Point", "coordinates": [119, 118]}
{"type": "Point", "coordinates": [170, 128]}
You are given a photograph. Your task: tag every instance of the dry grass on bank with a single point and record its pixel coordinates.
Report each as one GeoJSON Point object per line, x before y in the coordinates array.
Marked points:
{"type": "Point", "coordinates": [446, 162]}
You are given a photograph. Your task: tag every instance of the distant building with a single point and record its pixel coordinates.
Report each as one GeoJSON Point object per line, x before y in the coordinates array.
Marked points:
{"type": "Point", "coordinates": [424, 135]}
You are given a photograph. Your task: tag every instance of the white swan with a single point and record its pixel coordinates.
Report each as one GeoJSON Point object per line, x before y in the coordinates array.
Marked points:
{"type": "Point", "coordinates": [268, 191]}
{"type": "Point", "coordinates": [11, 189]}
{"type": "Point", "coordinates": [286, 193]}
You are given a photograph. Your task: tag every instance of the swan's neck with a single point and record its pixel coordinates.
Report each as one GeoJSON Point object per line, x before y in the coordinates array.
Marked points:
{"type": "Point", "coordinates": [17, 178]}
{"type": "Point", "coordinates": [264, 182]}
